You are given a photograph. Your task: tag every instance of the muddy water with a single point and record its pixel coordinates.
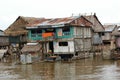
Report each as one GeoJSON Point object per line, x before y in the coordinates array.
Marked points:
{"type": "Point", "coordinates": [89, 69]}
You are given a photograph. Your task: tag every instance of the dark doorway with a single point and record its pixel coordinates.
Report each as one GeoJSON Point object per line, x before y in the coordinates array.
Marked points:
{"type": "Point", "coordinates": [51, 46]}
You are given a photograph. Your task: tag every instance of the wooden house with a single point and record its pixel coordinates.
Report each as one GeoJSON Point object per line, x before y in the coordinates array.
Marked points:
{"type": "Point", "coordinates": [17, 30]}
{"type": "Point", "coordinates": [97, 32]}
{"type": "Point", "coordinates": [65, 37]}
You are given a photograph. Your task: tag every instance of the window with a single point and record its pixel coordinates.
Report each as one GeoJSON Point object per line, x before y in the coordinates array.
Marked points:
{"type": "Point", "coordinates": [63, 43]}
{"type": "Point", "coordinates": [103, 34]}
{"type": "Point", "coordinates": [66, 29]}
{"type": "Point", "coordinates": [36, 31]}
{"type": "Point", "coordinates": [33, 31]}
{"type": "Point", "coordinates": [39, 31]}
{"type": "Point", "coordinates": [49, 30]}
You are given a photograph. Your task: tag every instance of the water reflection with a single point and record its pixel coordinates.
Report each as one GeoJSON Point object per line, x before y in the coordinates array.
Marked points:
{"type": "Point", "coordinates": [88, 69]}
{"type": "Point", "coordinates": [39, 71]}
{"type": "Point", "coordinates": [65, 71]}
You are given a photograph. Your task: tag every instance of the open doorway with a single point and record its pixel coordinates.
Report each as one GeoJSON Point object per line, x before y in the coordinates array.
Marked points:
{"type": "Point", "coordinates": [51, 46]}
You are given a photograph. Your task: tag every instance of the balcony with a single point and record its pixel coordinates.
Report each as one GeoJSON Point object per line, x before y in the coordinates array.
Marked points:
{"type": "Point", "coordinates": [50, 36]}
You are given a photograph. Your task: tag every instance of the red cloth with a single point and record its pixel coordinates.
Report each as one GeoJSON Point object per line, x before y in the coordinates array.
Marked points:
{"type": "Point", "coordinates": [44, 35]}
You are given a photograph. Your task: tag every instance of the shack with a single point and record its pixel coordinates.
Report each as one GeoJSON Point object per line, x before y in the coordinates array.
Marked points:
{"type": "Point", "coordinates": [108, 40]}
{"type": "Point", "coordinates": [17, 30]}
{"type": "Point", "coordinates": [115, 52]}
{"type": "Point", "coordinates": [31, 52]}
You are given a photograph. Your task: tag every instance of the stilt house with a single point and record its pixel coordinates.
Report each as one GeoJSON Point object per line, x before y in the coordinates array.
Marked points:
{"type": "Point", "coordinates": [65, 37]}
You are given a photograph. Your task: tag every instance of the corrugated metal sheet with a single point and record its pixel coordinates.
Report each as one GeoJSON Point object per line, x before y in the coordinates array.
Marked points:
{"type": "Point", "coordinates": [61, 22]}
{"type": "Point", "coordinates": [58, 21]}
{"type": "Point", "coordinates": [35, 21]}
{"type": "Point", "coordinates": [116, 31]}
{"type": "Point", "coordinates": [109, 28]}
{"type": "Point", "coordinates": [97, 39]}
{"type": "Point", "coordinates": [118, 42]}
{"type": "Point", "coordinates": [31, 48]}
{"type": "Point", "coordinates": [1, 33]}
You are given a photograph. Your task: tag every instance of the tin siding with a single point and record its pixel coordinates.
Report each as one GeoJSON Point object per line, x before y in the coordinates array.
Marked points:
{"type": "Point", "coordinates": [64, 49]}
{"type": "Point", "coordinates": [107, 36]}
{"type": "Point", "coordinates": [97, 39]}
{"type": "Point", "coordinates": [118, 42]}
{"type": "Point", "coordinates": [2, 33]}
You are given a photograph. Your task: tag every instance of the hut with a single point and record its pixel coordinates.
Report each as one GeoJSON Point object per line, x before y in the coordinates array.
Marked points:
{"type": "Point", "coordinates": [31, 52]}
{"type": "Point", "coordinates": [17, 30]}
{"type": "Point", "coordinates": [108, 40]}
{"type": "Point", "coordinates": [115, 52]}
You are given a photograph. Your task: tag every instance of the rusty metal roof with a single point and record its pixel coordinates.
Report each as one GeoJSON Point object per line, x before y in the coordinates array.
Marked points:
{"type": "Point", "coordinates": [35, 21]}
{"type": "Point", "coordinates": [61, 22]}
{"type": "Point", "coordinates": [58, 21]}
{"type": "Point", "coordinates": [116, 31]}
{"type": "Point", "coordinates": [31, 48]}
{"type": "Point", "coordinates": [109, 28]}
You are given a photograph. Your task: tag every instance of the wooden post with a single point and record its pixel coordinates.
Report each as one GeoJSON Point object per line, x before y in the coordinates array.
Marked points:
{"type": "Point", "coordinates": [83, 42]}
{"type": "Point", "coordinates": [74, 46]}
{"type": "Point", "coordinates": [42, 51]}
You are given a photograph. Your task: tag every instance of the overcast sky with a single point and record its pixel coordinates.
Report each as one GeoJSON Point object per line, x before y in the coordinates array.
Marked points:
{"type": "Point", "coordinates": [108, 11]}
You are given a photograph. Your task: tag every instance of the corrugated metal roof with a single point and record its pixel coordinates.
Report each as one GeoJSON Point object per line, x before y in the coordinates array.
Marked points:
{"type": "Point", "coordinates": [31, 47]}
{"type": "Point", "coordinates": [36, 21]}
{"type": "Point", "coordinates": [109, 28]}
{"type": "Point", "coordinates": [61, 22]}
{"type": "Point", "coordinates": [2, 33]}
{"type": "Point", "coordinates": [116, 31]}
{"type": "Point", "coordinates": [58, 21]}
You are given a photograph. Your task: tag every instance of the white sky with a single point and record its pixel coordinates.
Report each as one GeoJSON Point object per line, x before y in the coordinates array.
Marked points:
{"type": "Point", "coordinates": [106, 10]}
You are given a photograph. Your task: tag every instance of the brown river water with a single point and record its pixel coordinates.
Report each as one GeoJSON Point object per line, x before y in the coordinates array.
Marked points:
{"type": "Point", "coordinates": [85, 69]}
